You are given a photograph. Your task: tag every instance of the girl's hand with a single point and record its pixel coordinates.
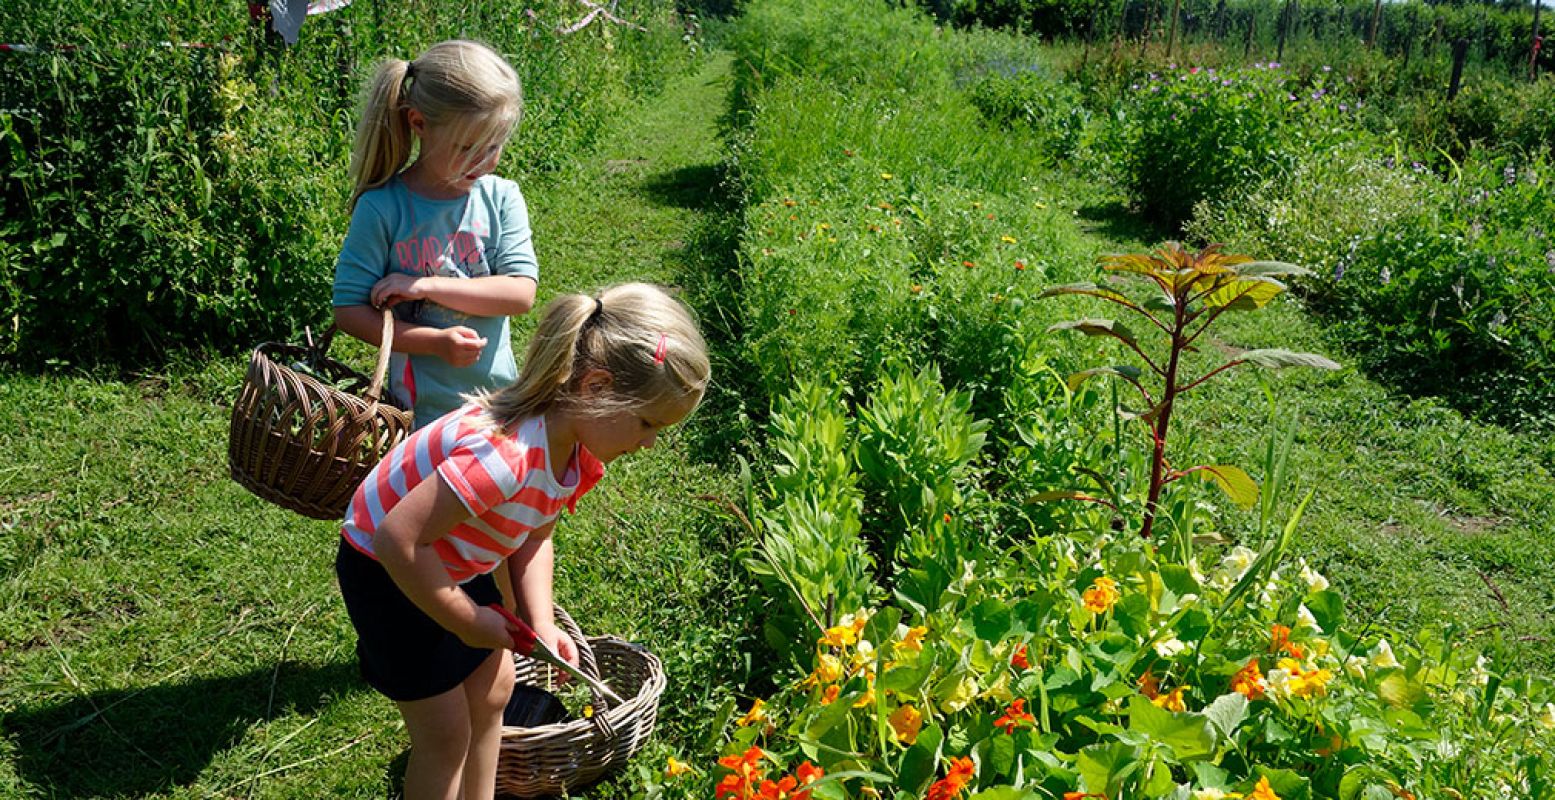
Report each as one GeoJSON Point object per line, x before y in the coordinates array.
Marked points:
{"type": "Point", "coordinates": [490, 631]}
{"type": "Point", "coordinates": [561, 644]}
{"type": "Point", "coordinates": [461, 346]}
{"type": "Point", "coordinates": [397, 287]}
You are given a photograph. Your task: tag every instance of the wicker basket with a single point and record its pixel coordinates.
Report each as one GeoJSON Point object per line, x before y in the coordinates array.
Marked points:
{"type": "Point", "coordinates": [552, 759]}
{"type": "Point", "coordinates": [303, 444]}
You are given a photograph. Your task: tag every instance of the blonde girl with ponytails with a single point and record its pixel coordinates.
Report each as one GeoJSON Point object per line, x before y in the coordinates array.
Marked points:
{"type": "Point", "coordinates": [479, 490]}
{"type": "Point", "coordinates": [443, 241]}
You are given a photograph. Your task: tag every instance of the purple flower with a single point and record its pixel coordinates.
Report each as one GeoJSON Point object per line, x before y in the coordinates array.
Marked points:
{"type": "Point", "coordinates": [1226, 82]}
{"type": "Point", "coordinates": [1134, 87]}
{"type": "Point", "coordinates": [1344, 107]}
{"type": "Point", "coordinates": [1258, 65]}
{"type": "Point", "coordinates": [1274, 65]}
{"type": "Point", "coordinates": [1171, 66]}
{"type": "Point", "coordinates": [1291, 98]}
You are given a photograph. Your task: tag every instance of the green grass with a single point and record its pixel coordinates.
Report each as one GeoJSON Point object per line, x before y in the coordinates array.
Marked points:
{"type": "Point", "coordinates": [166, 634]}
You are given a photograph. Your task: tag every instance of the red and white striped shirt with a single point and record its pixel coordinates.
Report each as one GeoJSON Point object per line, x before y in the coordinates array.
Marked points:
{"type": "Point", "coordinates": [504, 481]}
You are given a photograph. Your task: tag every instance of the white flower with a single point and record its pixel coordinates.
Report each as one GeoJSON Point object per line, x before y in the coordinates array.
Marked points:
{"type": "Point", "coordinates": [1239, 561]}
{"type": "Point", "coordinates": [1278, 682]}
{"type": "Point", "coordinates": [1480, 674]}
{"type": "Point", "coordinates": [1382, 655]}
{"type": "Point", "coordinates": [1315, 582]}
{"type": "Point", "coordinates": [1546, 717]}
{"type": "Point", "coordinates": [1355, 667]}
{"type": "Point", "coordinates": [1209, 794]}
{"type": "Point", "coordinates": [1187, 600]}
{"type": "Point", "coordinates": [1170, 648]}
{"type": "Point", "coordinates": [1305, 619]}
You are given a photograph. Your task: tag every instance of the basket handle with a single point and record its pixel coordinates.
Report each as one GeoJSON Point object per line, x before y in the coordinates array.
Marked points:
{"type": "Point", "coordinates": [385, 347]}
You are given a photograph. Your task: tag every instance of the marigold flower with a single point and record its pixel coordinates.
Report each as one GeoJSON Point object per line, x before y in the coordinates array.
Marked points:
{"type": "Point", "coordinates": [1248, 681]}
{"type": "Point", "coordinates": [1015, 716]}
{"type": "Point", "coordinates": [1172, 701]}
{"type": "Point", "coordinates": [906, 722]}
{"type": "Point", "coordinates": [1018, 660]}
{"type": "Point", "coordinates": [1263, 791]}
{"type": "Point", "coordinates": [753, 716]}
{"type": "Point", "coordinates": [1102, 595]}
{"type": "Point", "coordinates": [674, 769]}
{"type": "Point", "coordinates": [961, 771]}
{"type": "Point", "coordinates": [1150, 685]}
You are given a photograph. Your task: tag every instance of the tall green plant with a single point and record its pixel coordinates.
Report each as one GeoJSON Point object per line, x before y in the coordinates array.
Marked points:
{"type": "Point", "coordinates": [1193, 291]}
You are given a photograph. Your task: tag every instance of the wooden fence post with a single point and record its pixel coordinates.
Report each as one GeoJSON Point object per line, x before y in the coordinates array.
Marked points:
{"type": "Point", "coordinates": [1171, 38]}
{"type": "Point", "coordinates": [1533, 49]}
{"type": "Point", "coordinates": [1371, 32]}
{"type": "Point", "coordinates": [1460, 53]}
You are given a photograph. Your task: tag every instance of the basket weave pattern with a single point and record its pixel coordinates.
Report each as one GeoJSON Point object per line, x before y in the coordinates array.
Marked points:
{"type": "Point", "coordinates": [303, 444]}
{"type": "Point", "coordinates": [551, 759]}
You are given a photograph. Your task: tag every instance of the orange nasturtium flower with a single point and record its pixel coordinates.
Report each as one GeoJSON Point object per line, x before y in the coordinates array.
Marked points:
{"type": "Point", "coordinates": [744, 777]}
{"type": "Point", "coordinates": [830, 695]}
{"type": "Point", "coordinates": [1018, 660]}
{"type": "Point", "coordinates": [1172, 701]}
{"type": "Point", "coordinates": [1102, 595]}
{"type": "Point", "coordinates": [785, 789]}
{"type": "Point", "coordinates": [1014, 716]}
{"type": "Point", "coordinates": [1263, 791]}
{"type": "Point", "coordinates": [961, 771]}
{"type": "Point", "coordinates": [1279, 639]}
{"type": "Point", "coordinates": [907, 722]}
{"type": "Point", "coordinates": [1248, 681]}
{"type": "Point", "coordinates": [1150, 685]}
{"type": "Point", "coordinates": [1083, 795]}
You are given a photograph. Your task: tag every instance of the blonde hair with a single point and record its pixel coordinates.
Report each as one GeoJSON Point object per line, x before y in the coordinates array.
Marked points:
{"type": "Point", "coordinates": [644, 338]}
{"type": "Point", "coordinates": [463, 88]}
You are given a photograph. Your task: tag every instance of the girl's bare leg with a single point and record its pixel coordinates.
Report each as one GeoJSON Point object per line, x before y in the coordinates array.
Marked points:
{"type": "Point", "coordinates": [486, 694]}
{"type": "Point", "coordinates": [439, 730]}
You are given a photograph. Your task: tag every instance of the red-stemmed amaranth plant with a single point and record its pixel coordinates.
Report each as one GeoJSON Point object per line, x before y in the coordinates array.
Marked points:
{"type": "Point", "coordinates": [1195, 289]}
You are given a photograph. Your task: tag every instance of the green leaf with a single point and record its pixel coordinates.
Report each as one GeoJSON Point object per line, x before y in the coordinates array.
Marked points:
{"type": "Point", "coordinates": [1004, 793]}
{"type": "Point", "coordinates": [991, 620]}
{"type": "Point", "coordinates": [1087, 289]}
{"type": "Point", "coordinates": [1236, 483]}
{"type": "Point", "coordinates": [921, 762]}
{"type": "Point", "coordinates": [1265, 269]}
{"type": "Point", "coordinates": [1124, 371]}
{"type": "Point", "coordinates": [1104, 767]}
{"type": "Point", "coordinates": [1187, 734]}
{"type": "Point", "coordinates": [1399, 691]}
{"type": "Point", "coordinates": [1244, 295]}
{"type": "Point", "coordinates": [1227, 713]}
{"type": "Point", "coordinates": [1327, 608]}
{"type": "Point", "coordinates": [1360, 777]}
{"type": "Point", "coordinates": [1096, 326]}
{"type": "Point", "coordinates": [1277, 359]}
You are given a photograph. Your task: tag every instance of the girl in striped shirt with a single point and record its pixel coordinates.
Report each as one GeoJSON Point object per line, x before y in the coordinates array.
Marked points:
{"type": "Point", "coordinates": [479, 490]}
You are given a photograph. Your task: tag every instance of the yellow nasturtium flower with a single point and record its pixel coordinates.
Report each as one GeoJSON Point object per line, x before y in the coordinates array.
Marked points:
{"type": "Point", "coordinates": [1263, 791]}
{"type": "Point", "coordinates": [755, 715]}
{"type": "Point", "coordinates": [907, 722]}
{"type": "Point", "coordinates": [1102, 595]}
{"type": "Point", "coordinates": [912, 640]}
{"type": "Point", "coordinates": [674, 769]}
{"type": "Point", "coordinates": [1171, 701]}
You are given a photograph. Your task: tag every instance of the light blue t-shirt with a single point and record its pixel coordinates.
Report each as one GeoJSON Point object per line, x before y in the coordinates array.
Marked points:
{"type": "Point", "coordinates": [483, 233]}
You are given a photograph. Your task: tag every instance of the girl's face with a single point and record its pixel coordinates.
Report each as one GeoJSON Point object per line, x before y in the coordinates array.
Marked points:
{"type": "Point", "coordinates": [623, 432]}
{"type": "Point", "coordinates": [448, 161]}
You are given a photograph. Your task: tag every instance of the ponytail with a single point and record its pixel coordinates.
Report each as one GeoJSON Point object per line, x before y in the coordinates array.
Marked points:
{"type": "Point", "coordinates": [383, 136]}
{"type": "Point", "coordinates": [645, 339]}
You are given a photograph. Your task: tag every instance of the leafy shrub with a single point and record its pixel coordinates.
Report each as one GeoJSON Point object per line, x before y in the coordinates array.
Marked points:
{"type": "Point", "coordinates": [810, 555]}
{"type": "Point", "coordinates": [1052, 112]}
{"type": "Point", "coordinates": [1193, 134]}
{"type": "Point", "coordinates": [163, 198]}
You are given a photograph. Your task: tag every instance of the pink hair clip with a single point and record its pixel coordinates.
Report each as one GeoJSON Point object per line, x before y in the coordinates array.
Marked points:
{"type": "Point", "coordinates": [658, 352]}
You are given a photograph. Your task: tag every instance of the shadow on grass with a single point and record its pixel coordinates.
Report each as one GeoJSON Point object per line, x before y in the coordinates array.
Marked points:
{"type": "Point", "coordinates": [698, 187]}
{"type": "Point", "coordinates": [132, 742]}
{"type": "Point", "coordinates": [707, 268]}
{"type": "Point", "coordinates": [1116, 221]}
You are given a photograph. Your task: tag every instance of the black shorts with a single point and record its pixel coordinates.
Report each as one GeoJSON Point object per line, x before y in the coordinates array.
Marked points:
{"type": "Point", "coordinates": [403, 653]}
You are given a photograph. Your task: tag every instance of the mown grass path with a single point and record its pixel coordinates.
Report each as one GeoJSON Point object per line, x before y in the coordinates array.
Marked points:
{"type": "Point", "coordinates": [165, 634]}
